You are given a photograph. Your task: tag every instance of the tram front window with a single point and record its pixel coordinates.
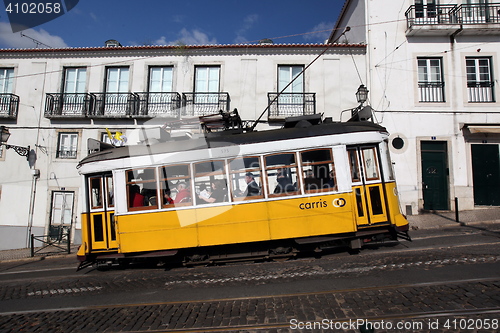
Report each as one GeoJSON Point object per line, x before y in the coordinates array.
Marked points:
{"type": "Point", "coordinates": [281, 173]}
{"type": "Point", "coordinates": [246, 178]}
{"type": "Point", "coordinates": [142, 189]}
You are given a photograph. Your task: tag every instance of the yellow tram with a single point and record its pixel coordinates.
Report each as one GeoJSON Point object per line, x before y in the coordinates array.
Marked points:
{"type": "Point", "coordinates": [229, 194]}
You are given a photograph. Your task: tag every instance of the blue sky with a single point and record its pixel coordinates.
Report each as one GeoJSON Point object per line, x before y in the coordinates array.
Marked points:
{"type": "Point", "coordinates": [160, 22]}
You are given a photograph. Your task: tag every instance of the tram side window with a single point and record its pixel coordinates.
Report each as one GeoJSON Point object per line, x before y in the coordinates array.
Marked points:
{"type": "Point", "coordinates": [142, 189]}
{"type": "Point", "coordinates": [281, 173]}
{"type": "Point", "coordinates": [318, 170]}
{"type": "Point", "coordinates": [210, 182]}
{"type": "Point", "coordinates": [246, 182]}
{"type": "Point", "coordinates": [175, 185]}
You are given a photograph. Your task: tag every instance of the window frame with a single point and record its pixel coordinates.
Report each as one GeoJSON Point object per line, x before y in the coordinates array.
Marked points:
{"type": "Point", "coordinates": [237, 194]}
{"type": "Point", "coordinates": [430, 90]}
{"type": "Point", "coordinates": [165, 179]}
{"type": "Point", "coordinates": [331, 169]}
{"type": "Point", "coordinates": [274, 169]}
{"type": "Point", "coordinates": [7, 80]}
{"type": "Point", "coordinates": [60, 153]}
{"type": "Point", "coordinates": [478, 85]}
{"type": "Point", "coordinates": [138, 182]}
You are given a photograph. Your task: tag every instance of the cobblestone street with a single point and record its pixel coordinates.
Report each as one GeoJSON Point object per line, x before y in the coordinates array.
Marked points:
{"type": "Point", "coordinates": [414, 304]}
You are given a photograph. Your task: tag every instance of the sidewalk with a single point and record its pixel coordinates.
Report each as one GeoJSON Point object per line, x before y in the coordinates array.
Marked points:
{"type": "Point", "coordinates": [443, 219]}
{"type": "Point", "coordinates": [417, 222]}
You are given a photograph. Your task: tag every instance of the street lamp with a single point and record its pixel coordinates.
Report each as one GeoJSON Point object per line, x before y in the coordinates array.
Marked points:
{"type": "Point", "coordinates": [5, 134]}
{"type": "Point", "coordinates": [362, 94]}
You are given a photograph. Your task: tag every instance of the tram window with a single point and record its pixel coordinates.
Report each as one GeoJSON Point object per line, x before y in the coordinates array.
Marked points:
{"type": "Point", "coordinates": [246, 182]}
{"type": "Point", "coordinates": [175, 185]}
{"type": "Point", "coordinates": [353, 162]}
{"type": "Point", "coordinates": [95, 192]}
{"type": "Point", "coordinates": [318, 170]}
{"type": "Point", "coordinates": [370, 163]}
{"type": "Point", "coordinates": [281, 173]}
{"type": "Point", "coordinates": [110, 194]}
{"type": "Point", "coordinates": [142, 189]}
{"type": "Point", "coordinates": [210, 182]}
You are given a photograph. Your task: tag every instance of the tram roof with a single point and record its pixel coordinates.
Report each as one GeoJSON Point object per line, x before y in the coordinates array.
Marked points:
{"type": "Point", "coordinates": [230, 138]}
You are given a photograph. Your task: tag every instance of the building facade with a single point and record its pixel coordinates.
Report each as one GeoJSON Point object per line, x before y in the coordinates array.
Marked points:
{"type": "Point", "coordinates": [433, 69]}
{"type": "Point", "coordinates": [54, 100]}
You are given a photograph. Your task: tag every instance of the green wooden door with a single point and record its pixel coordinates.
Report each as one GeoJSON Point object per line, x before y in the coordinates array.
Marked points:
{"type": "Point", "coordinates": [434, 175]}
{"type": "Point", "coordinates": [486, 174]}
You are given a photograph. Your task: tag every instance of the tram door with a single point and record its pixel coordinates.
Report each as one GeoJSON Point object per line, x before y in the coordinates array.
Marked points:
{"type": "Point", "coordinates": [367, 186]}
{"type": "Point", "coordinates": [101, 201]}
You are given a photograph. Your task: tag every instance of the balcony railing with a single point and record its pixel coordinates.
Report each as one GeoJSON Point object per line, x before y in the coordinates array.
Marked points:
{"type": "Point", "coordinates": [202, 104]}
{"type": "Point", "coordinates": [449, 18]}
{"type": "Point", "coordinates": [478, 13]}
{"type": "Point", "coordinates": [431, 92]}
{"type": "Point", "coordinates": [9, 104]}
{"type": "Point", "coordinates": [480, 92]}
{"type": "Point", "coordinates": [159, 104]}
{"type": "Point", "coordinates": [290, 104]}
{"type": "Point", "coordinates": [430, 14]}
{"type": "Point", "coordinates": [114, 105]}
{"type": "Point", "coordinates": [68, 105]}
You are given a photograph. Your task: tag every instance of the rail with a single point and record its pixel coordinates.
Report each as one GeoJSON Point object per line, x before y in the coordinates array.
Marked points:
{"type": "Point", "coordinates": [55, 244]}
{"type": "Point", "coordinates": [283, 105]}
{"type": "Point", "coordinates": [9, 104]}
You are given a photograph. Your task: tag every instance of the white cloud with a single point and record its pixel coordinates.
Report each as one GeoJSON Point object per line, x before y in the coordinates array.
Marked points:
{"type": "Point", "coordinates": [248, 24]}
{"type": "Point", "coordinates": [193, 37]}
{"type": "Point", "coordinates": [320, 32]}
{"type": "Point", "coordinates": [8, 39]}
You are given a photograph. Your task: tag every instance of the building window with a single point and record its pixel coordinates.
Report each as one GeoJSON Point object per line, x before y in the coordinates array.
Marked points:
{"type": "Point", "coordinates": [160, 99]}
{"type": "Point", "coordinates": [207, 79]}
{"type": "Point", "coordinates": [160, 79]}
{"type": "Point", "coordinates": [74, 98]}
{"type": "Point", "coordinates": [68, 145]}
{"type": "Point", "coordinates": [430, 80]}
{"type": "Point", "coordinates": [479, 80]}
{"type": "Point", "coordinates": [6, 80]}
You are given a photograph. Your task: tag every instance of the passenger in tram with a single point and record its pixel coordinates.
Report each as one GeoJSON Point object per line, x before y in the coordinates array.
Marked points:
{"type": "Point", "coordinates": [252, 186]}
{"type": "Point", "coordinates": [136, 198]}
{"type": "Point", "coordinates": [218, 192]}
{"type": "Point", "coordinates": [183, 193]}
{"type": "Point", "coordinates": [167, 199]}
{"type": "Point", "coordinates": [331, 180]}
{"type": "Point", "coordinates": [285, 183]}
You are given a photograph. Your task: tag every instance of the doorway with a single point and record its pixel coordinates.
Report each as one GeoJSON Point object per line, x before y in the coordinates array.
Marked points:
{"type": "Point", "coordinates": [486, 174]}
{"type": "Point", "coordinates": [434, 156]}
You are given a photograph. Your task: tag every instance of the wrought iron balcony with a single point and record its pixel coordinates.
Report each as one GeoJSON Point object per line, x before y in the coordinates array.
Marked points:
{"type": "Point", "coordinates": [290, 104]}
{"type": "Point", "coordinates": [9, 104]}
{"type": "Point", "coordinates": [478, 13]}
{"type": "Point", "coordinates": [114, 105]}
{"type": "Point", "coordinates": [480, 92]}
{"type": "Point", "coordinates": [158, 104]}
{"type": "Point", "coordinates": [202, 104]}
{"type": "Point", "coordinates": [434, 19]}
{"type": "Point", "coordinates": [62, 105]}
{"type": "Point", "coordinates": [431, 92]}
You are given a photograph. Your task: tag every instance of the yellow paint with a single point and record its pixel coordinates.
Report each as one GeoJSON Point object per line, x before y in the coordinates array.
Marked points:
{"type": "Point", "coordinates": [243, 222]}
